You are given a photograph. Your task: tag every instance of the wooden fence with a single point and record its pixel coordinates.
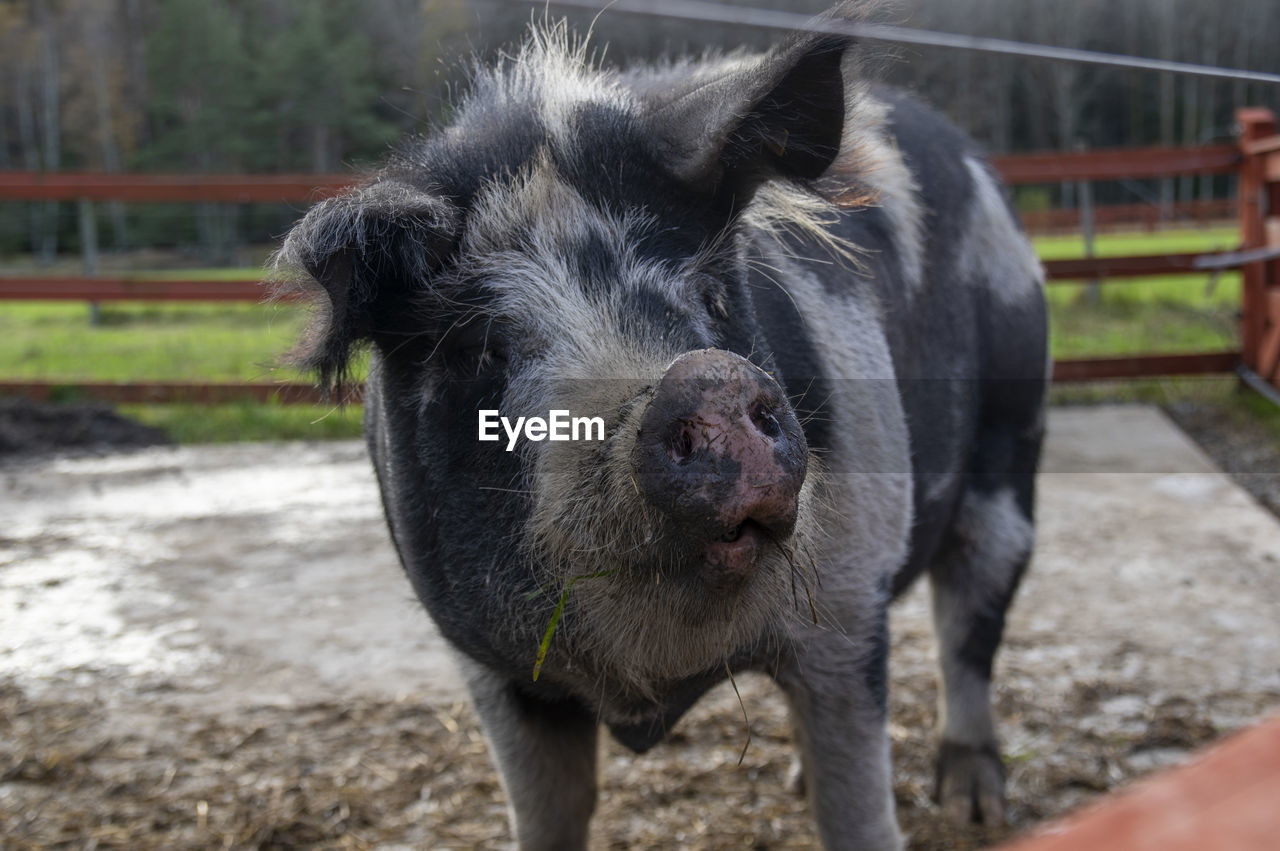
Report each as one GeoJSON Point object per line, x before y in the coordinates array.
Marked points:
{"type": "Point", "coordinates": [1255, 159]}
{"type": "Point", "coordinates": [1145, 217]}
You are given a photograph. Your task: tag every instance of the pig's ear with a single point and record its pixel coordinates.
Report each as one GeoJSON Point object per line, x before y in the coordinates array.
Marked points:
{"type": "Point", "coordinates": [782, 114]}
{"type": "Point", "coordinates": [364, 254]}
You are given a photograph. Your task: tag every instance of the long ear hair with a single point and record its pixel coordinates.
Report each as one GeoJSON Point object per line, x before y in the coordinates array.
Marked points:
{"type": "Point", "coordinates": [359, 256]}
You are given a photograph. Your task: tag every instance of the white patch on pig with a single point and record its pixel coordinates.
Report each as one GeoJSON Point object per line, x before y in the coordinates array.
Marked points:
{"type": "Point", "coordinates": [996, 531]}
{"type": "Point", "coordinates": [864, 505]}
{"type": "Point", "coordinates": [554, 71]}
{"type": "Point", "coordinates": [994, 253]}
{"type": "Point", "coordinates": [519, 243]}
{"type": "Point", "coordinates": [995, 539]}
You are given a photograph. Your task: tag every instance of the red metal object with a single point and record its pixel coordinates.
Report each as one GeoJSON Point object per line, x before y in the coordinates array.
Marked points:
{"type": "Point", "coordinates": [1226, 799]}
{"type": "Point", "coordinates": [1145, 366]}
{"type": "Point", "coordinates": [1128, 163]}
{"type": "Point", "coordinates": [96, 186]}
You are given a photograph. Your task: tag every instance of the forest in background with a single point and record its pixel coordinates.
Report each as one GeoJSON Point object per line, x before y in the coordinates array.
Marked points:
{"type": "Point", "coordinates": [262, 86]}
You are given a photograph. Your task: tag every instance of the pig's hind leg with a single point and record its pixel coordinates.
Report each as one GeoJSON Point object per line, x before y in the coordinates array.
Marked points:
{"type": "Point", "coordinates": [973, 579]}
{"type": "Point", "coordinates": [546, 756]}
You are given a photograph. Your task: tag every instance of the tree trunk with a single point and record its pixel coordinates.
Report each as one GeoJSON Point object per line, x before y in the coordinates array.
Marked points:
{"type": "Point", "coordinates": [1135, 89]}
{"type": "Point", "coordinates": [96, 36]}
{"type": "Point", "coordinates": [25, 109]}
{"type": "Point", "coordinates": [1167, 103]}
{"type": "Point", "coordinates": [321, 162]}
{"type": "Point", "coordinates": [50, 127]}
{"type": "Point", "coordinates": [135, 53]}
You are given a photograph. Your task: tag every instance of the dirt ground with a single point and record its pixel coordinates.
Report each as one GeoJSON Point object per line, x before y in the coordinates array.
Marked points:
{"type": "Point", "coordinates": [28, 428]}
{"type": "Point", "coordinates": [214, 647]}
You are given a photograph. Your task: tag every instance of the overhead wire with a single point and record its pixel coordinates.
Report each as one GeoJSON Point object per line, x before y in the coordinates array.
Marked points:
{"type": "Point", "coordinates": [704, 11]}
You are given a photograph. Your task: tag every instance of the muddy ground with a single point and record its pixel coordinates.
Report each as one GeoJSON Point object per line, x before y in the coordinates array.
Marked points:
{"type": "Point", "coordinates": [213, 647]}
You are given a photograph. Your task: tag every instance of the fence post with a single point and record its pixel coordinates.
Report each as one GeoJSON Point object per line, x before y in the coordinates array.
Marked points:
{"type": "Point", "coordinates": [1084, 193]}
{"type": "Point", "coordinates": [1254, 125]}
{"type": "Point", "coordinates": [89, 251]}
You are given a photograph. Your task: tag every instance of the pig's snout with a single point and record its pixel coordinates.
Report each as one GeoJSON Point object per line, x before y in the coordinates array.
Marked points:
{"type": "Point", "coordinates": [721, 454]}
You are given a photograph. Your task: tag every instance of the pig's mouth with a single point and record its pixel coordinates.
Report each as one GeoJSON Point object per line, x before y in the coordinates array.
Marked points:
{"type": "Point", "coordinates": [735, 534]}
{"type": "Point", "coordinates": [730, 560]}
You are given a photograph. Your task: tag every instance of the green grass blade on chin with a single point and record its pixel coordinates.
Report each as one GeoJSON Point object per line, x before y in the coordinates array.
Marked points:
{"type": "Point", "coordinates": [555, 617]}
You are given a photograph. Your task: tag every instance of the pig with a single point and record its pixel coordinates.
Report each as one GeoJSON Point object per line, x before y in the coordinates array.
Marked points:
{"type": "Point", "coordinates": [814, 332]}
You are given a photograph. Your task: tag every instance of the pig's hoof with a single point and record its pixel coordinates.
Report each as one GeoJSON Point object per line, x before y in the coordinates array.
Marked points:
{"type": "Point", "coordinates": [970, 783]}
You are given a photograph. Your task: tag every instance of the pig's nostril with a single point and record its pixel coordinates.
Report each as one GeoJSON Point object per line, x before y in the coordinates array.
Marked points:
{"type": "Point", "coordinates": [763, 417]}
{"type": "Point", "coordinates": [733, 534]}
{"type": "Point", "coordinates": [682, 444]}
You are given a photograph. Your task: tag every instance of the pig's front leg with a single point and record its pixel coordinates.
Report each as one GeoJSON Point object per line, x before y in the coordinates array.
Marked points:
{"type": "Point", "coordinates": [836, 689]}
{"type": "Point", "coordinates": [546, 756]}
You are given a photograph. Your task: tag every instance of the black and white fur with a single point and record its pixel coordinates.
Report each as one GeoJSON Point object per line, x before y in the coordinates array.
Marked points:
{"type": "Point", "coordinates": [570, 233]}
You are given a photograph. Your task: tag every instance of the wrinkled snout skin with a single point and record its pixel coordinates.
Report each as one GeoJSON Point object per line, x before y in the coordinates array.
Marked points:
{"type": "Point", "coordinates": [721, 453]}
{"type": "Point", "coordinates": [814, 334]}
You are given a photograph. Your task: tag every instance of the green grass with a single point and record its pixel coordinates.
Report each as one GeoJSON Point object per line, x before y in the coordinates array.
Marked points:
{"type": "Point", "coordinates": [248, 421]}
{"type": "Point", "coordinates": [1126, 327]}
{"type": "Point", "coordinates": [146, 341]}
{"type": "Point", "coordinates": [1151, 315]}
{"type": "Point", "coordinates": [1119, 244]}
{"type": "Point", "coordinates": [244, 273]}
{"type": "Point", "coordinates": [171, 341]}
{"type": "Point", "coordinates": [54, 341]}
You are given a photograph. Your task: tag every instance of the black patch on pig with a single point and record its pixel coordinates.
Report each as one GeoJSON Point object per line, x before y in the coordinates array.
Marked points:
{"type": "Point", "coordinates": [933, 150]}
{"type": "Point", "coordinates": [593, 262]}
{"type": "Point", "coordinates": [875, 667]}
{"type": "Point", "coordinates": [641, 736]}
{"type": "Point", "coordinates": [690, 494]}
{"type": "Point", "coordinates": [795, 362]}
{"type": "Point", "coordinates": [645, 308]}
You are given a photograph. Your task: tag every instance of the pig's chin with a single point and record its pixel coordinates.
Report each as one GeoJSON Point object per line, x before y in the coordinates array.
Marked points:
{"type": "Point", "coordinates": [669, 600]}
{"type": "Point", "coordinates": [649, 627]}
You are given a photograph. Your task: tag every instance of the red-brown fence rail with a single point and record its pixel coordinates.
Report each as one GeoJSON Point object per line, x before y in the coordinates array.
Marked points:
{"type": "Point", "coordinates": [1147, 216]}
{"type": "Point", "coordinates": [1255, 159]}
{"type": "Point", "coordinates": [234, 188]}
{"type": "Point", "coordinates": [129, 289]}
{"type": "Point", "coordinates": [1119, 164]}
{"type": "Point", "coordinates": [52, 288]}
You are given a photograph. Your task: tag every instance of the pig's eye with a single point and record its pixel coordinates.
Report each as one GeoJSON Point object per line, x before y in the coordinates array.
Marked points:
{"type": "Point", "coordinates": [474, 351]}
{"type": "Point", "coordinates": [711, 293]}
{"type": "Point", "coordinates": [478, 360]}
